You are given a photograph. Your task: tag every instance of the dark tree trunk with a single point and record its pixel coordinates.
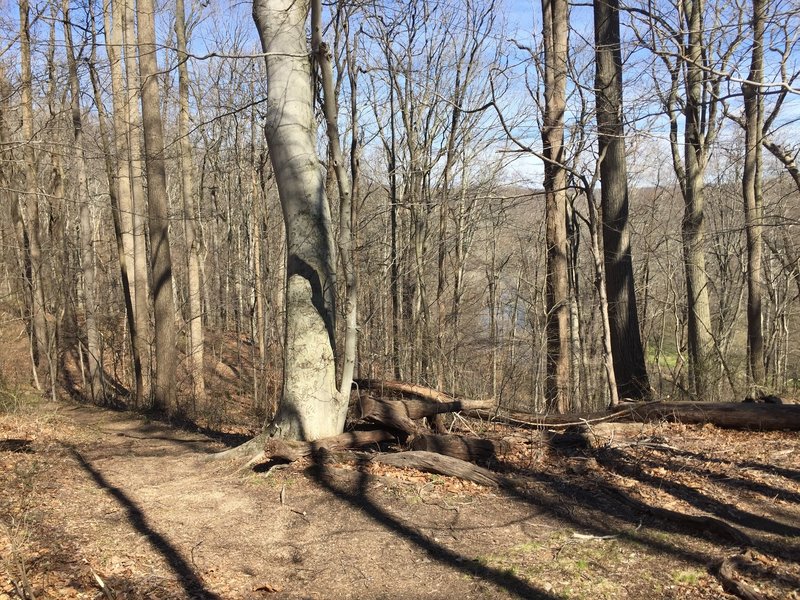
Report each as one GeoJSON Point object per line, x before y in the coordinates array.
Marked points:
{"type": "Point", "coordinates": [626, 343]}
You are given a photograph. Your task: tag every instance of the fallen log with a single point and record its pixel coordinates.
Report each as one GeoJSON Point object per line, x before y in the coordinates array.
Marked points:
{"type": "Point", "coordinates": [440, 464]}
{"type": "Point", "coordinates": [292, 450]}
{"type": "Point", "coordinates": [763, 417]}
{"type": "Point", "coordinates": [389, 413]}
{"type": "Point", "coordinates": [470, 449]}
{"type": "Point", "coordinates": [405, 389]}
{"type": "Point", "coordinates": [400, 414]}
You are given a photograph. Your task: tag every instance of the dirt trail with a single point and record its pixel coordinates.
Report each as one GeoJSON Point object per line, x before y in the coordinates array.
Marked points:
{"type": "Point", "coordinates": [106, 497]}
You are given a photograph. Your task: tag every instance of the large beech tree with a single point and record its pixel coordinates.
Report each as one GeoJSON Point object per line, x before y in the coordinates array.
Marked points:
{"type": "Point", "coordinates": [311, 407]}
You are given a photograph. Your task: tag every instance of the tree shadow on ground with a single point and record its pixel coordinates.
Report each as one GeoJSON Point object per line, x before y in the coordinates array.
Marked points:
{"type": "Point", "coordinates": [591, 504]}
{"type": "Point", "coordinates": [357, 496]}
{"type": "Point", "coordinates": [791, 474]}
{"type": "Point", "coordinates": [186, 576]}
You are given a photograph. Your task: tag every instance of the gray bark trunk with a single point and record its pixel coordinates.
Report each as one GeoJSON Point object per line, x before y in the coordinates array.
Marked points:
{"type": "Point", "coordinates": [164, 397]}
{"type": "Point", "coordinates": [751, 192]}
{"type": "Point", "coordinates": [192, 243]}
{"type": "Point", "coordinates": [555, 29]}
{"type": "Point", "coordinates": [30, 203]}
{"type": "Point", "coordinates": [141, 287]}
{"type": "Point", "coordinates": [87, 244]}
{"type": "Point", "coordinates": [311, 407]}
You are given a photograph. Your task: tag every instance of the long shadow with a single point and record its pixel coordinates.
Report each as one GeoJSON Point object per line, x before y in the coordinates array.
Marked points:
{"type": "Point", "coordinates": [616, 462]}
{"type": "Point", "coordinates": [558, 497]}
{"type": "Point", "coordinates": [359, 498]}
{"type": "Point", "coordinates": [229, 440]}
{"type": "Point", "coordinates": [792, 474]}
{"type": "Point", "coordinates": [186, 576]}
{"type": "Point", "coordinates": [737, 483]}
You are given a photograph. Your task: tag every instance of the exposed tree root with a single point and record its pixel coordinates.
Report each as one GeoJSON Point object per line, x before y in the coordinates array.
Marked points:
{"type": "Point", "coordinates": [726, 572]}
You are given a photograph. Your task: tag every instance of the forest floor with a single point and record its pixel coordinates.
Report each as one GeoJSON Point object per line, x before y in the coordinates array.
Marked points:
{"type": "Point", "coordinates": [96, 503]}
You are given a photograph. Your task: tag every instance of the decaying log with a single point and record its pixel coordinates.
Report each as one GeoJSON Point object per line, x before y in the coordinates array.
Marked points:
{"type": "Point", "coordinates": [400, 413]}
{"type": "Point", "coordinates": [441, 464]}
{"type": "Point", "coordinates": [547, 421]}
{"type": "Point", "coordinates": [763, 417]}
{"type": "Point", "coordinates": [470, 449]}
{"type": "Point", "coordinates": [406, 389]}
{"type": "Point", "coordinates": [292, 450]}
{"type": "Point", "coordinates": [390, 413]}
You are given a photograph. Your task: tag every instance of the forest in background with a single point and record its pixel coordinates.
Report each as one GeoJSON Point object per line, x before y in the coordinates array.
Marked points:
{"type": "Point", "coordinates": [440, 110]}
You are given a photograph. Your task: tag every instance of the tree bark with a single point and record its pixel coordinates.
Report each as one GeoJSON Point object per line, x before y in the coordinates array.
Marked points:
{"type": "Point", "coordinates": [141, 281]}
{"type": "Point", "coordinates": [30, 204]}
{"type": "Point", "coordinates": [555, 15]}
{"type": "Point", "coordinates": [626, 344]}
{"type": "Point", "coordinates": [751, 193]}
{"type": "Point", "coordinates": [292, 450]}
{"type": "Point", "coordinates": [762, 417]}
{"type": "Point", "coordinates": [441, 464]}
{"type": "Point", "coordinates": [187, 192]}
{"type": "Point", "coordinates": [164, 396]}
{"type": "Point", "coordinates": [466, 448]}
{"type": "Point", "coordinates": [124, 267]}
{"type": "Point", "coordinates": [311, 407]}
{"type": "Point", "coordinates": [119, 175]}
{"type": "Point", "coordinates": [693, 228]}
{"type": "Point", "coordinates": [86, 230]}
{"type": "Point", "coordinates": [330, 110]}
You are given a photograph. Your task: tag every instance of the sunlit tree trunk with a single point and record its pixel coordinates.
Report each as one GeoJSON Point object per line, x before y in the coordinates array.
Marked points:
{"type": "Point", "coordinates": [141, 281]}
{"type": "Point", "coordinates": [751, 189]}
{"type": "Point", "coordinates": [555, 29]}
{"type": "Point", "coordinates": [30, 202]}
{"type": "Point", "coordinates": [693, 230]}
{"type": "Point", "coordinates": [330, 110]}
{"type": "Point", "coordinates": [114, 163]}
{"type": "Point", "coordinates": [311, 406]}
{"type": "Point", "coordinates": [86, 230]}
{"type": "Point", "coordinates": [187, 190]}
{"type": "Point", "coordinates": [164, 397]}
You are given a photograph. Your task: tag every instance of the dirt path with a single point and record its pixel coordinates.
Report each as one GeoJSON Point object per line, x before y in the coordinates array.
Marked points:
{"type": "Point", "coordinates": [100, 496]}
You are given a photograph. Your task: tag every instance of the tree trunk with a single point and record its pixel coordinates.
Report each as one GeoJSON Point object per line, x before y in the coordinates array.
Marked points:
{"type": "Point", "coordinates": [30, 203]}
{"type": "Point", "coordinates": [86, 231]}
{"type": "Point", "coordinates": [311, 407]}
{"type": "Point", "coordinates": [119, 176]}
{"type": "Point", "coordinates": [330, 110]}
{"type": "Point", "coordinates": [761, 417]}
{"type": "Point", "coordinates": [626, 344]}
{"type": "Point", "coordinates": [187, 179]}
{"type": "Point", "coordinates": [693, 228]}
{"type": "Point", "coordinates": [164, 397]}
{"type": "Point", "coordinates": [555, 30]}
{"type": "Point", "coordinates": [112, 170]}
{"type": "Point", "coordinates": [751, 191]}
{"type": "Point", "coordinates": [141, 281]}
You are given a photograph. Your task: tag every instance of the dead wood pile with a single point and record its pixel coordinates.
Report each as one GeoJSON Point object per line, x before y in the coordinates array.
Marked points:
{"type": "Point", "coordinates": [404, 414]}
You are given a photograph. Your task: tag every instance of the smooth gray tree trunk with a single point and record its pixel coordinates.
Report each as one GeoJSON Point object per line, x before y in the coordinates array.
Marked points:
{"type": "Point", "coordinates": [311, 407]}
{"type": "Point", "coordinates": [164, 396]}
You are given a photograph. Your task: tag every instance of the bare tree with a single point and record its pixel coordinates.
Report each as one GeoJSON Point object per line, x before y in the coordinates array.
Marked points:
{"type": "Point", "coordinates": [555, 16]}
{"type": "Point", "coordinates": [164, 397]}
{"type": "Point", "coordinates": [187, 190]}
{"type": "Point", "coordinates": [30, 203]}
{"type": "Point", "coordinates": [626, 343]}
{"type": "Point", "coordinates": [311, 407]}
{"type": "Point", "coordinates": [86, 229]}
